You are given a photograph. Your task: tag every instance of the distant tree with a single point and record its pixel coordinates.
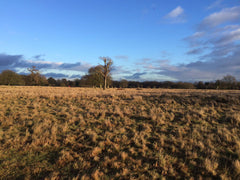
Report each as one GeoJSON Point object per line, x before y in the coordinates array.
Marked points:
{"type": "Point", "coordinates": [35, 78]}
{"type": "Point", "coordinates": [229, 79]}
{"type": "Point", "coordinates": [43, 81]}
{"type": "Point", "coordinates": [58, 82]}
{"type": "Point", "coordinates": [77, 82]}
{"type": "Point", "coordinates": [95, 77]}
{"type": "Point", "coordinates": [228, 82]}
{"type": "Point", "coordinates": [106, 69]}
{"type": "Point", "coordinates": [150, 84]}
{"type": "Point", "coordinates": [124, 83]}
{"type": "Point", "coordinates": [134, 84]}
{"type": "Point", "coordinates": [52, 81]}
{"type": "Point", "coordinates": [9, 77]}
{"type": "Point", "coordinates": [168, 84]}
{"type": "Point", "coordinates": [116, 84]}
{"type": "Point", "coordinates": [98, 76]}
{"type": "Point", "coordinates": [218, 84]}
{"type": "Point", "coordinates": [63, 82]}
{"type": "Point", "coordinates": [200, 85]}
{"type": "Point", "coordinates": [84, 81]}
{"type": "Point", "coordinates": [210, 85]}
{"type": "Point", "coordinates": [71, 83]}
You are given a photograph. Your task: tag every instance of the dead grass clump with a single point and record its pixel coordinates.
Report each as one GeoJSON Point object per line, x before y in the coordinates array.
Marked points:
{"type": "Point", "coordinates": [118, 111]}
{"type": "Point", "coordinates": [96, 175]}
{"type": "Point", "coordinates": [137, 98]}
{"type": "Point", "coordinates": [65, 157]}
{"type": "Point", "coordinates": [237, 148]}
{"type": "Point", "coordinates": [92, 134]}
{"type": "Point", "coordinates": [124, 155]}
{"type": "Point", "coordinates": [234, 118]}
{"type": "Point", "coordinates": [237, 167]}
{"type": "Point", "coordinates": [211, 166]}
{"type": "Point", "coordinates": [96, 151]}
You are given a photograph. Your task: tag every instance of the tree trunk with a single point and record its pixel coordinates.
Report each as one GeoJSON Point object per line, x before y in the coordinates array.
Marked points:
{"type": "Point", "coordinates": [105, 82]}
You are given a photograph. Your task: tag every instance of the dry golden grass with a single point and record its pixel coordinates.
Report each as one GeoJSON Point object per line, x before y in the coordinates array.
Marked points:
{"type": "Point", "coordinates": [80, 133]}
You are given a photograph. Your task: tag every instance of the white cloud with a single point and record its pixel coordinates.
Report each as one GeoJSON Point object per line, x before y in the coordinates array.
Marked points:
{"type": "Point", "coordinates": [176, 15]}
{"type": "Point", "coordinates": [198, 34]}
{"type": "Point", "coordinates": [175, 12]}
{"type": "Point", "coordinates": [228, 37]}
{"type": "Point", "coordinates": [44, 62]}
{"type": "Point", "coordinates": [215, 4]}
{"type": "Point", "coordinates": [122, 57]}
{"type": "Point", "coordinates": [195, 39]}
{"type": "Point", "coordinates": [224, 16]}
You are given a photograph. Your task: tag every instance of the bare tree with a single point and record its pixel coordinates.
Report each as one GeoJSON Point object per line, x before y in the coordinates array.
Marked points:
{"type": "Point", "coordinates": [228, 82]}
{"type": "Point", "coordinates": [35, 78]}
{"type": "Point", "coordinates": [106, 69]}
{"type": "Point", "coordinates": [229, 79]}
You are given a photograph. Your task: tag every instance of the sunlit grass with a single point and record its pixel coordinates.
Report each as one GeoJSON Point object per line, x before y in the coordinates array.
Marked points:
{"type": "Point", "coordinates": [85, 133]}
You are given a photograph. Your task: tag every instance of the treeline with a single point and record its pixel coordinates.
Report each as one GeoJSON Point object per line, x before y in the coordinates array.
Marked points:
{"type": "Point", "coordinates": [8, 77]}
{"type": "Point", "coordinates": [94, 79]}
{"type": "Point", "coordinates": [228, 82]}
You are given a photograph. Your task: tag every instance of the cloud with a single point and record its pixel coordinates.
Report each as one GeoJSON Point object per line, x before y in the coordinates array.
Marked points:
{"type": "Point", "coordinates": [118, 70]}
{"type": "Point", "coordinates": [216, 50]}
{"type": "Point", "coordinates": [176, 15]}
{"type": "Point", "coordinates": [195, 39]}
{"type": "Point", "coordinates": [40, 64]}
{"type": "Point", "coordinates": [215, 4]}
{"type": "Point", "coordinates": [204, 70]}
{"type": "Point", "coordinates": [19, 64]}
{"type": "Point", "coordinates": [143, 61]}
{"type": "Point", "coordinates": [135, 76]}
{"type": "Point", "coordinates": [122, 57]}
{"type": "Point", "coordinates": [165, 54]}
{"type": "Point", "coordinates": [195, 51]}
{"type": "Point", "coordinates": [175, 12]}
{"type": "Point", "coordinates": [220, 38]}
{"type": "Point", "coordinates": [75, 77]}
{"type": "Point", "coordinates": [9, 60]}
{"type": "Point", "coordinates": [217, 45]}
{"type": "Point", "coordinates": [78, 66]}
{"type": "Point", "coordinates": [228, 37]}
{"type": "Point", "coordinates": [226, 15]}
{"type": "Point", "coordinates": [69, 65]}
{"type": "Point", "coordinates": [62, 76]}
{"type": "Point", "coordinates": [209, 70]}
{"type": "Point", "coordinates": [38, 57]}
{"type": "Point", "coordinates": [55, 75]}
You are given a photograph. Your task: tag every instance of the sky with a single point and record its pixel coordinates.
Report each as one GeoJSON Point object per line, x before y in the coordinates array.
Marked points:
{"type": "Point", "coordinates": [148, 40]}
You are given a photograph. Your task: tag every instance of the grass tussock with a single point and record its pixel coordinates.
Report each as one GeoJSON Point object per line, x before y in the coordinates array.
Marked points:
{"type": "Point", "coordinates": [61, 133]}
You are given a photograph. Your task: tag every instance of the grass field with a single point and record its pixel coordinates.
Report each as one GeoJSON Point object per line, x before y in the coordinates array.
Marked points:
{"type": "Point", "coordinates": [80, 133]}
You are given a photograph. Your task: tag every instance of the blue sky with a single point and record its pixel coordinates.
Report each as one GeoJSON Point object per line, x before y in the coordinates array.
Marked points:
{"type": "Point", "coordinates": [177, 40]}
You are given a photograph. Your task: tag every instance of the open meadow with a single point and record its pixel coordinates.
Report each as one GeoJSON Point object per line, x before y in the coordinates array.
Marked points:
{"type": "Point", "coordinates": [86, 133]}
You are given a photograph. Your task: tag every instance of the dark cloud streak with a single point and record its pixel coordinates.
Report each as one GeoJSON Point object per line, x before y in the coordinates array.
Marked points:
{"type": "Point", "coordinates": [55, 75]}
{"type": "Point", "coordinates": [69, 65]}
{"type": "Point", "coordinates": [9, 60]}
{"type": "Point", "coordinates": [135, 76]}
{"type": "Point", "coordinates": [195, 51]}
